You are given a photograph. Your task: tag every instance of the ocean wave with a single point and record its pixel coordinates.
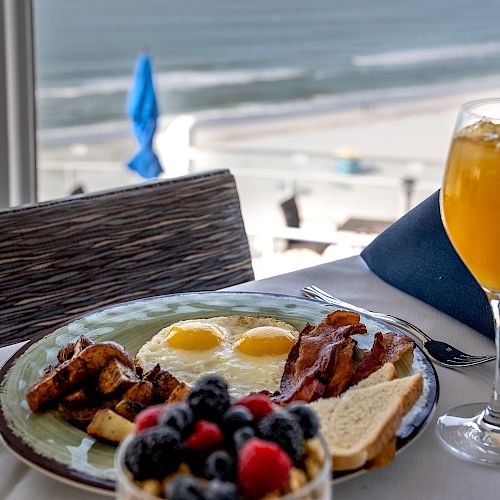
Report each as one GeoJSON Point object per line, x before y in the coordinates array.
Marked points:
{"type": "Point", "coordinates": [259, 110]}
{"type": "Point", "coordinates": [422, 56]}
{"type": "Point", "coordinates": [177, 80]}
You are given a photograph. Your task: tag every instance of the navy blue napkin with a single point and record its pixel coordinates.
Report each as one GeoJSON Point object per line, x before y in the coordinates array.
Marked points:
{"type": "Point", "coordinates": [415, 255]}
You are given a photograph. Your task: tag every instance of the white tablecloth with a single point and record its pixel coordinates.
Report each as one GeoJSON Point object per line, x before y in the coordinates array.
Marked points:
{"type": "Point", "coordinates": [424, 470]}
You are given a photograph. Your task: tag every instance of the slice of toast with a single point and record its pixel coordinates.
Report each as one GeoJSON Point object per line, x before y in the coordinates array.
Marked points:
{"type": "Point", "coordinates": [384, 374]}
{"type": "Point", "coordinates": [359, 425]}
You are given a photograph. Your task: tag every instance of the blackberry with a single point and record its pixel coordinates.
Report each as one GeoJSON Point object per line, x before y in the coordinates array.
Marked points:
{"type": "Point", "coordinates": [185, 487]}
{"type": "Point", "coordinates": [209, 399]}
{"type": "Point", "coordinates": [221, 490]}
{"type": "Point", "coordinates": [178, 417]}
{"type": "Point", "coordinates": [307, 419]}
{"type": "Point", "coordinates": [241, 436]}
{"type": "Point", "coordinates": [219, 465]}
{"type": "Point", "coordinates": [196, 461]}
{"type": "Point", "coordinates": [235, 418]}
{"type": "Point", "coordinates": [283, 429]}
{"type": "Point", "coordinates": [154, 453]}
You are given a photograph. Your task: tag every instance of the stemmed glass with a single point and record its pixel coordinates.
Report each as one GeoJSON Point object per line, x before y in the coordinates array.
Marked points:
{"type": "Point", "coordinates": [470, 209]}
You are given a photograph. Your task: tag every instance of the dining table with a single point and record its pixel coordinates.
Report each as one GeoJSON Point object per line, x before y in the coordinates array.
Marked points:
{"type": "Point", "coordinates": [422, 470]}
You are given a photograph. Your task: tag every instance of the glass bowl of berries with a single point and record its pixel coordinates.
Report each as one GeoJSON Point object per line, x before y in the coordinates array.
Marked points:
{"type": "Point", "coordinates": [209, 447]}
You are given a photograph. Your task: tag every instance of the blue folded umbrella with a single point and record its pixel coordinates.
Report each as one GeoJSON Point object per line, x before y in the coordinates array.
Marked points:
{"type": "Point", "coordinates": [143, 110]}
{"type": "Point", "coordinates": [415, 255]}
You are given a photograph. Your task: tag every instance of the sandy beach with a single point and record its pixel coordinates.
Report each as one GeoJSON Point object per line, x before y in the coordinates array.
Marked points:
{"type": "Point", "coordinates": [274, 158]}
{"type": "Point", "coordinates": [419, 128]}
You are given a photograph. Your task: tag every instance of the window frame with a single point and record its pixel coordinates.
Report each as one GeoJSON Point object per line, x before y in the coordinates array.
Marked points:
{"type": "Point", "coordinates": [17, 95]}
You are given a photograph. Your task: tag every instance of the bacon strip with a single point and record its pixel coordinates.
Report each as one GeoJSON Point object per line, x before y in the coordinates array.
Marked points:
{"type": "Point", "coordinates": [343, 370]}
{"type": "Point", "coordinates": [372, 360]}
{"type": "Point", "coordinates": [397, 346]}
{"type": "Point", "coordinates": [320, 363]}
{"type": "Point", "coordinates": [387, 347]}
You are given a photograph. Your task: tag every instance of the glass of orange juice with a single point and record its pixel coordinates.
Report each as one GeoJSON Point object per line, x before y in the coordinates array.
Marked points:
{"type": "Point", "coordinates": [470, 209]}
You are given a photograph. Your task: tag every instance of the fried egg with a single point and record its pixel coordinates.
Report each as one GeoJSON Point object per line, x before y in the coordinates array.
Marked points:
{"type": "Point", "coordinates": [248, 351]}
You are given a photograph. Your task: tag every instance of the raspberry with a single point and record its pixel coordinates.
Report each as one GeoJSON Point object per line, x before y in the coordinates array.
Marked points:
{"type": "Point", "coordinates": [154, 453]}
{"type": "Point", "coordinates": [306, 417]}
{"type": "Point", "coordinates": [148, 417]}
{"type": "Point", "coordinates": [262, 467]}
{"type": "Point", "coordinates": [283, 428]}
{"type": "Point", "coordinates": [209, 398]}
{"type": "Point", "coordinates": [258, 404]}
{"type": "Point", "coordinates": [206, 435]}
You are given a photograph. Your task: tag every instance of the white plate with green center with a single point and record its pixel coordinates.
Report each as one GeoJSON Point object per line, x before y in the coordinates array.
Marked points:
{"type": "Point", "coordinates": [49, 443]}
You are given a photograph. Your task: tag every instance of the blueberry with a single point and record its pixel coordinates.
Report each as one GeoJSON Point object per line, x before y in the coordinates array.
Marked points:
{"type": "Point", "coordinates": [235, 418]}
{"type": "Point", "coordinates": [241, 436]}
{"type": "Point", "coordinates": [306, 417]}
{"type": "Point", "coordinates": [185, 487]}
{"type": "Point", "coordinates": [154, 453]}
{"type": "Point", "coordinates": [219, 465]}
{"type": "Point", "coordinates": [283, 429]}
{"type": "Point", "coordinates": [209, 399]}
{"type": "Point", "coordinates": [178, 417]}
{"type": "Point", "coordinates": [221, 490]}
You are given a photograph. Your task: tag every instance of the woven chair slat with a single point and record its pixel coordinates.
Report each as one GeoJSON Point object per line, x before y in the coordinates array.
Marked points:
{"type": "Point", "coordinates": [63, 258]}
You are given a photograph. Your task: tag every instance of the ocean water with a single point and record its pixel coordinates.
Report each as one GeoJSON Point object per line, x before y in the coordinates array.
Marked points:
{"type": "Point", "coordinates": [224, 58]}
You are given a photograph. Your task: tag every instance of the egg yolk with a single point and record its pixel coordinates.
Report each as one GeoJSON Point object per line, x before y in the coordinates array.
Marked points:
{"type": "Point", "coordinates": [194, 336]}
{"type": "Point", "coordinates": [265, 341]}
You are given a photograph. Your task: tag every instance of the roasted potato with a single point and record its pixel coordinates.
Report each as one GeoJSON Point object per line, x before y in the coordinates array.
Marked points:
{"type": "Point", "coordinates": [97, 355]}
{"type": "Point", "coordinates": [116, 377]}
{"type": "Point", "coordinates": [77, 414]}
{"type": "Point", "coordinates": [179, 393]}
{"type": "Point", "coordinates": [163, 382]}
{"type": "Point", "coordinates": [71, 350]}
{"type": "Point", "coordinates": [82, 343]}
{"type": "Point", "coordinates": [141, 391]}
{"type": "Point", "coordinates": [109, 426]}
{"type": "Point", "coordinates": [66, 376]}
{"type": "Point", "coordinates": [80, 396]}
{"type": "Point", "coordinates": [129, 409]}
{"type": "Point", "coordinates": [58, 382]}
{"type": "Point", "coordinates": [49, 369]}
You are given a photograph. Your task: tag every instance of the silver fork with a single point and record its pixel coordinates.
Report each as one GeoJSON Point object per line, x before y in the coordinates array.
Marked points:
{"type": "Point", "coordinates": [440, 352]}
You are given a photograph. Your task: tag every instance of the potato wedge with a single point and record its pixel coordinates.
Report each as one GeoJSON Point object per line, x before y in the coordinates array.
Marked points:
{"type": "Point", "coordinates": [115, 377]}
{"type": "Point", "coordinates": [141, 391]}
{"type": "Point", "coordinates": [109, 426]}
{"type": "Point", "coordinates": [64, 377]}
{"type": "Point", "coordinates": [163, 382]}
{"type": "Point", "coordinates": [56, 383]}
{"type": "Point", "coordinates": [97, 355]}
{"type": "Point", "coordinates": [129, 409]}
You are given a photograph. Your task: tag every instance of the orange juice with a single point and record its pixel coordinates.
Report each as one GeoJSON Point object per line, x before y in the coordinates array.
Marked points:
{"type": "Point", "coordinates": [470, 201]}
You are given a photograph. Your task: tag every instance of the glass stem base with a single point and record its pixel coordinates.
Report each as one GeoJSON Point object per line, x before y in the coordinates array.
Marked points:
{"type": "Point", "coordinates": [465, 433]}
